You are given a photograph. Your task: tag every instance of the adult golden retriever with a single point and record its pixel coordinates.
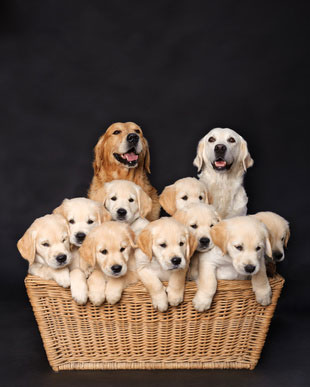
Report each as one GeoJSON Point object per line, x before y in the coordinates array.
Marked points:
{"type": "Point", "coordinates": [122, 152]}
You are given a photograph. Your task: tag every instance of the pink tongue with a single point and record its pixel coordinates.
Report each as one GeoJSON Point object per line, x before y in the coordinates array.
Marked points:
{"type": "Point", "coordinates": [220, 163]}
{"type": "Point", "coordinates": [131, 156]}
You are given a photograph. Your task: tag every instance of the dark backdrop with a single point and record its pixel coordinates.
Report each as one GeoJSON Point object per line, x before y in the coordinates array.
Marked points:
{"type": "Point", "coordinates": [69, 69]}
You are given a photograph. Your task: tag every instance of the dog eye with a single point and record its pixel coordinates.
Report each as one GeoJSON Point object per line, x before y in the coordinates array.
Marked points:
{"type": "Point", "coordinates": [45, 244]}
{"type": "Point", "coordinates": [181, 243]}
{"type": "Point", "coordinates": [282, 239]}
{"type": "Point", "coordinates": [64, 240]}
{"type": "Point", "coordinates": [258, 248]}
{"type": "Point", "coordinates": [231, 139]}
{"type": "Point", "coordinates": [163, 245]}
{"type": "Point", "coordinates": [122, 249]}
{"type": "Point", "coordinates": [211, 139]}
{"type": "Point", "coordinates": [131, 200]}
{"type": "Point", "coordinates": [113, 198]}
{"type": "Point", "coordinates": [71, 221]}
{"type": "Point", "coordinates": [90, 221]}
{"type": "Point", "coordinates": [185, 197]}
{"type": "Point", "coordinates": [211, 225]}
{"type": "Point", "coordinates": [200, 197]}
{"type": "Point", "coordinates": [194, 226]}
{"type": "Point", "coordinates": [239, 247]}
{"type": "Point", "coordinates": [137, 131]}
{"type": "Point", "coordinates": [104, 251]}
{"type": "Point", "coordinates": [116, 132]}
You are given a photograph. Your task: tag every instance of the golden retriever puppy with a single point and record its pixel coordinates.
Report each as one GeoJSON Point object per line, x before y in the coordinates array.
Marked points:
{"type": "Point", "coordinates": [222, 160]}
{"type": "Point", "coordinates": [165, 249]}
{"type": "Point", "coordinates": [109, 249]}
{"type": "Point", "coordinates": [123, 153]}
{"type": "Point", "coordinates": [45, 245]}
{"type": "Point", "coordinates": [82, 215]}
{"type": "Point", "coordinates": [183, 193]}
{"type": "Point", "coordinates": [126, 202]}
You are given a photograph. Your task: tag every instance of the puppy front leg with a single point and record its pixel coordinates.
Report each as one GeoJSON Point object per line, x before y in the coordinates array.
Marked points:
{"type": "Point", "coordinates": [261, 286]}
{"type": "Point", "coordinates": [96, 287]}
{"type": "Point", "coordinates": [155, 288]}
{"type": "Point", "coordinates": [79, 289]}
{"type": "Point", "coordinates": [176, 286]}
{"type": "Point", "coordinates": [114, 290]}
{"type": "Point", "coordinates": [207, 284]}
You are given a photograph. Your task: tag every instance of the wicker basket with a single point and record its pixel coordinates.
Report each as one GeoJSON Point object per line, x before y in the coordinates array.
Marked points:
{"type": "Point", "coordinates": [132, 335]}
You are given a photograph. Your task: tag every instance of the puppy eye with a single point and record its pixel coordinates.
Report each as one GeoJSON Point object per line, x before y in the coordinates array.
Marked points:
{"type": "Point", "coordinates": [64, 240]}
{"type": "Point", "coordinates": [239, 247]}
{"type": "Point", "coordinates": [185, 197]}
{"type": "Point", "coordinates": [90, 221]}
{"type": "Point", "coordinates": [211, 139]}
{"type": "Point", "coordinates": [137, 130]}
{"type": "Point", "coordinates": [282, 239]}
{"type": "Point", "coordinates": [258, 248]}
{"type": "Point", "coordinates": [163, 245]}
{"type": "Point", "coordinates": [104, 251]}
{"type": "Point", "coordinates": [194, 226]}
{"type": "Point", "coordinates": [231, 139]}
{"type": "Point", "coordinates": [200, 197]}
{"type": "Point", "coordinates": [131, 200]}
{"type": "Point", "coordinates": [122, 249]}
{"type": "Point", "coordinates": [116, 132]}
{"type": "Point", "coordinates": [211, 225]}
{"type": "Point", "coordinates": [181, 243]}
{"type": "Point", "coordinates": [45, 244]}
{"type": "Point", "coordinates": [113, 198]}
{"type": "Point", "coordinates": [72, 221]}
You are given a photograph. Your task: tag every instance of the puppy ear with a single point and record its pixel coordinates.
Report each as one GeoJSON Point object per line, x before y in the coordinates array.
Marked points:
{"type": "Point", "coordinates": [219, 236]}
{"type": "Point", "coordinates": [145, 242]}
{"type": "Point", "coordinates": [287, 237]}
{"type": "Point", "coordinates": [167, 199]}
{"type": "Point", "coordinates": [268, 249]}
{"type": "Point", "coordinates": [144, 201]}
{"type": "Point", "coordinates": [246, 158]}
{"type": "Point", "coordinates": [207, 201]}
{"type": "Point", "coordinates": [100, 195]}
{"type": "Point", "coordinates": [147, 157]}
{"type": "Point", "coordinates": [191, 245]}
{"type": "Point", "coordinates": [199, 160]}
{"type": "Point", "coordinates": [60, 209]}
{"type": "Point", "coordinates": [180, 216]}
{"type": "Point", "coordinates": [131, 237]}
{"type": "Point", "coordinates": [88, 250]}
{"type": "Point", "coordinates": [102, 214]}
{"type": "Point", "coordinates": [27, 245]}
{"type": "Point", "coordinates": [99, 155]}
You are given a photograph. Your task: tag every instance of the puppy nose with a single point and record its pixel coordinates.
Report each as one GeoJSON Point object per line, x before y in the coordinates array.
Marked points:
{"type": "Point", "coordinates": [61, 258]}
{"type": "Point", "coordinates": [277, 255]}
{"type": "Point", "coordinates": [132, 138]}
{"type": "Point", "coordinates": [116, 268]}
{"type": "Point", "coordinates": [80, 236]}
{"type": "Point", "coordinates": [176, 261]}
{"type": "Point", "coordinates": [121, 212]}
{"type": "Point", "coordinates": [220, 148]}
{"type": "Point", "coordinates": [249, 268]}
{"type": "Point", "coordinates": [204, 241]}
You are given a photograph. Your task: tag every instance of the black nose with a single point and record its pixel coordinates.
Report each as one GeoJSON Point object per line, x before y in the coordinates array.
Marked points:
{"type": "Point", "coordinates": [277, 255]}
{"type": "Point", "coordinates": [220, 148]}
{"type": "Point", "coordinates": [132, 138]}
{"type": "Point", "coordinates": [176, 260]}
{"type": "Point", "coordinates": [61, 258]}
{"type": "Point", "coordinates": [116, 268]}
{"type": "Point", "coordinates": [249, 268]}
{"type": "Point", "coordinates": [204, 241]}
{"type": "Point", "coordinates": [121, 212]}
{"type": "Point", "coordinates": [80, 236]}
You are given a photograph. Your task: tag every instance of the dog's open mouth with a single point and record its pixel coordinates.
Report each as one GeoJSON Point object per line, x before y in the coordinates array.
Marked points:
{"type": "Point", "coordinates": [130, 158]}
{"type": "Point", "coordinates": [220, 164]}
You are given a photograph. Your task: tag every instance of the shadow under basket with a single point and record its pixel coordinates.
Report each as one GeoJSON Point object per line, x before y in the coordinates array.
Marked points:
{"type": "Point", "coordinates": [132, 335]}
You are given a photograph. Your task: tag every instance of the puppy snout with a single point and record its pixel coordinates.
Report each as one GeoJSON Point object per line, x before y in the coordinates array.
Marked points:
{"type": "Point", "coordinates": [220, 149]}
{"type": "Point", "coordinates": [132, 138]}
{"type": "Point", "coordinates": [176, 261]}
{"type": "Point", "coordinates": [204, 242]}
{"type": "Point", "coordinates": [80, 236]}
{"type": "Point", "coordinates": [61, 258]}
{"type": "Point", "coordinates": [249, 268]}
{"type": "Point", "coordinates": [121, 212]}
{"type": "Point", "coordinates": [116, 268]}
{"type": "Point", "coordinates": [277, 255]}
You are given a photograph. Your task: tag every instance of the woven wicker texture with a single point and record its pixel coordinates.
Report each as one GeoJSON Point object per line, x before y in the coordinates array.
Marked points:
{"type": "Point", "coordinates": [132, 335]}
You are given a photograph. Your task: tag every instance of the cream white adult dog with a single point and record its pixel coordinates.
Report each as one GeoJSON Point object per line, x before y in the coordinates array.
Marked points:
{"type": "Point", "coordinates": [222, 160]}
{"type": "Point", "coordinates": [183, 193]}
{"type": "Point", "coordinates": [165, 249]}
{"type": "Point", "coordinates": [45, 245]}
{"type": "Point", "coordinates": [82, 215]}
{"type": "Point", "coordinates": [126, 202]}
{"type": "Point", "coordinates": [109, 249]}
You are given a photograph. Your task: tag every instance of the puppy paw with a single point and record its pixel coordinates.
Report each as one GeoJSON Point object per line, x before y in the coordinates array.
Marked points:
{"type": "Point", "coordinates": [264, 298]}
{"type": "Point", "coordinates": [174, 298]}
{"type": "Point", "coordinates": [96, 298]}
{"type": "Point", "coordinates": [80, 294]}
{"type": "Point", "coordinates": [113, 298]}
{"type": "Point", "coordinates": [202, 302]}
{"type": "Point", "coordinates": [160, 303]}
{"type": "Point", "coordinates": [63, 278]}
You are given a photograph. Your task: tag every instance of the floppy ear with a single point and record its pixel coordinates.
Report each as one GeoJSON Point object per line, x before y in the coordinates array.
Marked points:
{"type": "Point", "coordinates": [131, 237]}
{"type": "Point", "coordinates": [207, 201]}
{"type": "Point", "coordinates": [88, 250]}
{"type": "Point", "coordinates": [287, 237]}
{"type": "Point", "coordinates": [219, 236]}
{"type": "Point", "coordinates": [100, 195]}
{"type": "Point", "coordinates": [180, 216]}
{"type": "Point", "coordinates": [167, 199]}
{"type": "Point", "coordinates": [198, 161]}
{"type": "Point", "coordinates": [144, 201]}
{"type": "Point", "coordinates": [60, 209]}
{"type": "Point", "coordinates": [99, 154]}
{"type": "Point", "coordinates": [147, 157]}
{"type": "Point", "coordinates": [268, 249]}
{"type": "Point", "coordinates": [103, 214]}
{"type": "Point", "coordinates": [27, 245]}
{"type": "Point", "coordinates": [246, 158]}
{"type": "Point", "coordinates": [191, 245]}
{"type": "Point", "coordinates": [145, 242]}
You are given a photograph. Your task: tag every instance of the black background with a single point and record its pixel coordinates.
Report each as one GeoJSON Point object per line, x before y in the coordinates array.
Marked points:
{"type": "Point", "coordinates": [69, 69]}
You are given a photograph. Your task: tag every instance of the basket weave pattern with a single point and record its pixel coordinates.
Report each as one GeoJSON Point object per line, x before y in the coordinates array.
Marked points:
{"type": "Point", "coordinates": [132, 335]}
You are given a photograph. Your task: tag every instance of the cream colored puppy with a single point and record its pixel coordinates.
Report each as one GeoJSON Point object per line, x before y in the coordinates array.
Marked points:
{"type": "Point", "coordinates": [126, 202]}
{"type": "Point", "coordinates": [182, 193]}
{"type": "Point", "coordinates": [82, 215]}
{"type": "Point", "coordinates": [45, 245]}
{"type": "Point", "coordinates": [165, 249]}
{"type": "Point", "coordinates": [222, 160]}
{"type": "Point", "coordinates": [109, 249]}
